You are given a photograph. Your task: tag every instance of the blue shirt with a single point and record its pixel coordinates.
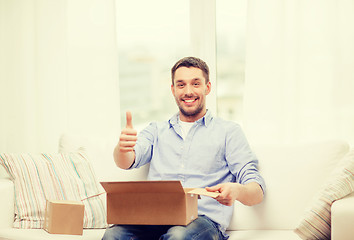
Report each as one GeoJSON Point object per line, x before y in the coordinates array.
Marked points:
{"type": "Point", "coordinates": [214, 151]}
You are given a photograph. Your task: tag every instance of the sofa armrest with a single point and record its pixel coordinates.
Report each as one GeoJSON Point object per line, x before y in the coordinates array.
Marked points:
{"type": "Point", "coordinates": [6, 203]}
{"type": "Point", "coordinates": [342, 218]}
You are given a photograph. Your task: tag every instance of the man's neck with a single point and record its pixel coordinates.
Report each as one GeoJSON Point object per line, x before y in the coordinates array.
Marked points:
{"type": "Point", "coordinates": [193, 118]}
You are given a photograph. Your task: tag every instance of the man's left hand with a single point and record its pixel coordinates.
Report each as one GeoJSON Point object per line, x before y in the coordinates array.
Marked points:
{"type": "Point", "coordinates": [248, 194]}
{"type": "Point", "coordinates": [228, 192]}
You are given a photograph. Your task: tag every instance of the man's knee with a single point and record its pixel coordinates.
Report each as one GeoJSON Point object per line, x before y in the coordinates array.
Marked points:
{"type": "Point", "coordinates": [201, 229]}
{"type": "Point", "coordinates": [175, 233]}
{"type": "Point", "coordinates": [108, 234]}
{"type": "Point", "coordinates": [115, 233]}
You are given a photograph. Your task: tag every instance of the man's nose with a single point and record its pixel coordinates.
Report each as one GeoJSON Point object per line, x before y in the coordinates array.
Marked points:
{"type": "Point", "coordinates": [188, 89]}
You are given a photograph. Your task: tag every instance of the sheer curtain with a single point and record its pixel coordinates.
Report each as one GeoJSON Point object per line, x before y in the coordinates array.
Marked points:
{"type": "Point", "coordinates": [58, 72]}
{"type": "Point", "coordinates": [299, 71]}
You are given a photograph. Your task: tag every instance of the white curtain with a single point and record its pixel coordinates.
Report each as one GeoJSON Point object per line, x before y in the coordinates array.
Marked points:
{"type": "Point", "coordinates": [58, 72]}
{"type": "Point", "coordinates": [300, 71]}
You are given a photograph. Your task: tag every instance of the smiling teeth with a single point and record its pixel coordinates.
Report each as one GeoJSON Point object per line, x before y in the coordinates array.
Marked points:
{"type": "Point", "coordinates": [189, 101]}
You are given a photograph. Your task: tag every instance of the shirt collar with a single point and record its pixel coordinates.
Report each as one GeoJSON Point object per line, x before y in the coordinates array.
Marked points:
{"type": "Point", "coordinates": [205, 120]}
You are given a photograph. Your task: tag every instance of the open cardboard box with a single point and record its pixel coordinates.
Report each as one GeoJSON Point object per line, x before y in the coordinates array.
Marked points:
{"type": "Point", "coordinates": [152, 202]}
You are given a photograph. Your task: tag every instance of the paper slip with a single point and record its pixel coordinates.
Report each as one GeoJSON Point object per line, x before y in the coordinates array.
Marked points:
{"type": "Point", "coordinates": [202, 191]}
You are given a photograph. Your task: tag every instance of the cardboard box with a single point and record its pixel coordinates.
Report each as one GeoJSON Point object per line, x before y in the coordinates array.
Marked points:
{"type": "Point", "coordinates": [64, 217]}
{"type": "Point", "coordinates": [151, 203]}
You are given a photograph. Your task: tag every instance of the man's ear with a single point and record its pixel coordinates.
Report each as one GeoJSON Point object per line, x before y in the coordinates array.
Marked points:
{"type": "Point", "coordinates": [208, 89]}
{"type": "Point", "coordinates": [173, 89]}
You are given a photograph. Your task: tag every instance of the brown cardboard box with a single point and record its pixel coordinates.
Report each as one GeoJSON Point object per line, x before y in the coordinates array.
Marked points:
{"type": "Point", "coordinates": [64, 217]}
{"type": "Point", "coordinates": [150, 203]}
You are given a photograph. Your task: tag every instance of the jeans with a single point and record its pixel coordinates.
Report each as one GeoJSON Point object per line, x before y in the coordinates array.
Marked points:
{"type": "Point", "coordinates": [201, 228]}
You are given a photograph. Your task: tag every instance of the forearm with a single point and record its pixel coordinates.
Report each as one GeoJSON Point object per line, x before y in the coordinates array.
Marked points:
{"type": "Point", "coordinates": [250, 194]}
{"type": "Point", "coordinates": [123, 160]}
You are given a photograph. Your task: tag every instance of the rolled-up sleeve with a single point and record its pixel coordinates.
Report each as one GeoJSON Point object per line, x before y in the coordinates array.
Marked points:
{"type": "Point", "coordinates": [242, 162]}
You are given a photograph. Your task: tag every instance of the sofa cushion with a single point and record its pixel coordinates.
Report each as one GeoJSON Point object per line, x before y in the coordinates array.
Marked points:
{"type": "Point", "coordinates": [293, 174]}
{"type": "Point", "coordinates": [263, 235]}
{"type": "Point", "coordinates": [3, 173]}
{"type": "Point", "coordinates": [316, 223]}
{"type": "Point", "coordinates": [38, 177]}
{"type": "Point", "coordinates": [6, 203]}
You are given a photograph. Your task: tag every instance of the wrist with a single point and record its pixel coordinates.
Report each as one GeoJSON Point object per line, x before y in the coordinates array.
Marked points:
{"type": "Point", "coordinates": [125, 160]}
{"type": "Point", "coordinates": [239, 190]}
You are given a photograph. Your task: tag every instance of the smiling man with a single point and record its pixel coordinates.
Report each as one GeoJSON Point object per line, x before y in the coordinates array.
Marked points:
{"type": "Point", "coordinates": [190, 86]}
{"type": "Point", "coordinates": [199, 150]}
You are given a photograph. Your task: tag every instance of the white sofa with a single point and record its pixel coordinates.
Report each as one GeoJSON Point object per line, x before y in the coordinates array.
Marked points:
{"type": "Point", "coordinates": [294, 175]}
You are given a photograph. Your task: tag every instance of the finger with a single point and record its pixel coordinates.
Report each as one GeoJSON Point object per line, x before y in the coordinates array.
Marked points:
{"type": "Point", "coordinates": [128, 137]}
{"type": "Point", "coordinates": [126, 149]}
{"type": "Point", "coordinates": [127, 143]}
{"type": "Point", "coordinates": [129, 131]}
{"type": "Point", "coordinates": [224, 194]}
{"type": "Point", "coordinates": [215, 188]}
{"type": "Point", "coordinates": [129, 120]}
{"type": "Point", "coordinates": [223, 197]}
{"type": "Point", "coordinates": [225, 201]}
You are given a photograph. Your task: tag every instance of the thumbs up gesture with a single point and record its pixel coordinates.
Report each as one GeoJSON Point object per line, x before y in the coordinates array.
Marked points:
{"type": "Point", "coordinates": [128, 136]}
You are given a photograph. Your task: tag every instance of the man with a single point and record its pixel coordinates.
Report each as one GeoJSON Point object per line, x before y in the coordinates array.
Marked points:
{"type": "Point", "coordinates": [196, 148]}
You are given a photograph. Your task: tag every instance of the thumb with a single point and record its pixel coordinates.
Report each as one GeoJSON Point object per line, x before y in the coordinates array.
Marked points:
{"type": "Point", "coordinates": [129, 120]}
{"type": "Point", "coordinates": [215, 188]}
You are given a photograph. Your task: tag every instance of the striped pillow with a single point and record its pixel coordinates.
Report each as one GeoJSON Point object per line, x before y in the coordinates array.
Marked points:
{"type": "Point", "coordinates": [317, 221]}
{"type": "Point", "coordinates": [38, 177]}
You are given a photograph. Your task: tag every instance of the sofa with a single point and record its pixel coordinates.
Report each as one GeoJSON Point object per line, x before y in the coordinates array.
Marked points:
{"type": "Point", "coordinates": [309, 191]}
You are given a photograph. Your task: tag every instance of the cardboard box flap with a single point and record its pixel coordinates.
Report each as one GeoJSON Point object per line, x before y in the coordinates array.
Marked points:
{"type": "Point", "coordinates": [143, 187]}
{"type": "Point", "coordinates": [67, 202]}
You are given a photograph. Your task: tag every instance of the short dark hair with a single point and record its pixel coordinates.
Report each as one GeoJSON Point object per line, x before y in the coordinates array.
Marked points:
{"type": "Point", "coordinates": [191, 62]}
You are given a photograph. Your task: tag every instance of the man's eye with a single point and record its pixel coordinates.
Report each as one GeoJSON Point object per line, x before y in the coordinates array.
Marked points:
{"type": "Point", "coordinates": [180, 85]}
{"type": "Point", "coordinates": [196, 84]}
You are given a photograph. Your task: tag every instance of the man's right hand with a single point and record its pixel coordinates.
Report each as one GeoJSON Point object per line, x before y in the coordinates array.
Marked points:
{"type": "Point", "coordinates": [128, 136]}
{"type": "Point", "coordinates": [124, 154]}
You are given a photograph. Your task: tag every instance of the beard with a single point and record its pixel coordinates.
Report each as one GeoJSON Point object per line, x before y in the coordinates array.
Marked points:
{"type": "Point", "coordinates": [192, 112]}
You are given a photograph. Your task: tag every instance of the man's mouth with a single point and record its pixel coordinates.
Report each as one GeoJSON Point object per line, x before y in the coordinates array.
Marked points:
{"type": "Point", "coordinates": [189, 100]}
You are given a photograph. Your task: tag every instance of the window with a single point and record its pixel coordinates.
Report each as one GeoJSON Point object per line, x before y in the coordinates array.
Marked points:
{"type": "Point", "coordinates": [151, 35]}
{"type": "Point", "coordinates": [230, 57]}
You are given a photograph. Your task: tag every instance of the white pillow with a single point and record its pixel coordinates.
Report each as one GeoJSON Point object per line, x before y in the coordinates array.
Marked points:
{"type": "Point", "coordinates": [100, 152]}
{"type": "Point", "coordinates": [316, 223]}
{"type": "Point", "coordinates": [38, 177]}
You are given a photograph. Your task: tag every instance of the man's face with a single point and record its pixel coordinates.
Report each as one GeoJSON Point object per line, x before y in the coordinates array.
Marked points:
{"type": "Point", "coordinates": [190, 92]}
